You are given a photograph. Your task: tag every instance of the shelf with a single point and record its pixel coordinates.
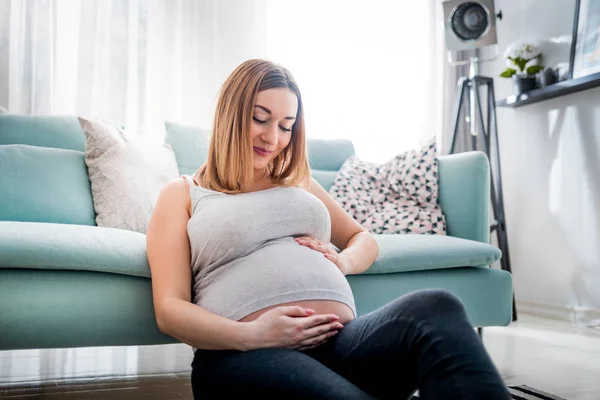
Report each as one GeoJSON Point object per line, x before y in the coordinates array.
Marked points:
{"type": "Point", "coordinates": [558, 89]}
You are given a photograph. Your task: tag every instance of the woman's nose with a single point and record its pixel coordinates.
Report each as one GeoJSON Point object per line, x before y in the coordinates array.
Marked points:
{"type": "Point", "coordinates": [270, 134]}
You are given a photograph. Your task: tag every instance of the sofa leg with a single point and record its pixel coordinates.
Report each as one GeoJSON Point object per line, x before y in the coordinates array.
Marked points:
{"type": "Point", "coordinates": [480, 333]}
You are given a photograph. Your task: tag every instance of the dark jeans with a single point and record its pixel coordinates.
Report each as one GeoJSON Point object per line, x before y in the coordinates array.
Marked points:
{"type": "Point", "coordinates": [421, 340]}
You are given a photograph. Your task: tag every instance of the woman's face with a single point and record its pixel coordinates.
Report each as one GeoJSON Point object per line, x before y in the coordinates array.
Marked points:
{"type": "Point", "coordinates": [271, 127]}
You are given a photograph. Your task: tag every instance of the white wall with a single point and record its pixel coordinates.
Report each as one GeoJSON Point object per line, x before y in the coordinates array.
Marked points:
{"type": "Point", "coordinates": [550, 157]}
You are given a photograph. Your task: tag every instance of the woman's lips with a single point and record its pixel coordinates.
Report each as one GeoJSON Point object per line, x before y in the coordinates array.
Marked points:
{"type": "Point", "coordinates": [261, 152]}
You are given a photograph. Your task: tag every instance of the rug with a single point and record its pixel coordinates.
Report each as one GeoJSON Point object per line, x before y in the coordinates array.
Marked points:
{"type": "Point", "coordinates": [523, 392]}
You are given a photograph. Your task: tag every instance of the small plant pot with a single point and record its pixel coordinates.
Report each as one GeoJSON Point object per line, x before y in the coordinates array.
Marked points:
{"type": "Point", "coordinates": [522, 85]}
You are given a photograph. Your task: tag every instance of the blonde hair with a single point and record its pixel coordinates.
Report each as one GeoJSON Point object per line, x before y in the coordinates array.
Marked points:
{"type": "Point", "coordinates": [229, 167]}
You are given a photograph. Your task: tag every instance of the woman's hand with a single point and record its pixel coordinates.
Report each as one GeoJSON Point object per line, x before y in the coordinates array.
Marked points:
{"type": "Point", "coordinates": [339, 259]}
{"type": "Point", "coordinates": [292, 327]}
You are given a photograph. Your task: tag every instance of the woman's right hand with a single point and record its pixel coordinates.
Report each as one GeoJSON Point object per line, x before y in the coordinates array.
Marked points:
{"type": "Point", "coordinates": [292, 327]}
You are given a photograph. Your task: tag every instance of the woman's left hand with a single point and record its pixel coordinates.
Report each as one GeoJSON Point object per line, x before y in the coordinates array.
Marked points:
{"type": "Point", "coordinates": [339, 259]}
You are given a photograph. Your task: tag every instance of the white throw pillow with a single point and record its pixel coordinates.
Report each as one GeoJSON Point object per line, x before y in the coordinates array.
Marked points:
{"type": "Point", "coordinates": [126, 174]}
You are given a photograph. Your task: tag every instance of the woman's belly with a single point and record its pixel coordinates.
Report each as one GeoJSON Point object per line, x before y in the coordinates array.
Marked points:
{"type": "Point", "coordinates": [320, 306]}
{"type": "Point", "coordinates": [279, 273]}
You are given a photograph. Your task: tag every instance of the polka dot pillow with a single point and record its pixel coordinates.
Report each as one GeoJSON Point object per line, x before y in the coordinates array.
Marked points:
{"type": "Point", "coordinates": [400, 196]}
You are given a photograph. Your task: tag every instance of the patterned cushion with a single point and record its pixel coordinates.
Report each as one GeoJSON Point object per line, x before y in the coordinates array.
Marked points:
{"type": "Point", "coordinates": [400, 196]}
{"type": "Point", "coordinates": [126, 175]}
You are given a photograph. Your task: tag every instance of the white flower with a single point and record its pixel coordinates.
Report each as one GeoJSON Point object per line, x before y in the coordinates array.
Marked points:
{"type": "Point", "coordinates": [510, 51]}
{"type": "Point", "coordinates": [526, 51]}
{"type": "Point", "coordinates": [530, 51]}
{"type": "Point", "coordinates": [533, 61]}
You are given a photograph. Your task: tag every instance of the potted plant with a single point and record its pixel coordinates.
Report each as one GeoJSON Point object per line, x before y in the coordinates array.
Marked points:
{"type": "Point", "coordinates": [523, 62]}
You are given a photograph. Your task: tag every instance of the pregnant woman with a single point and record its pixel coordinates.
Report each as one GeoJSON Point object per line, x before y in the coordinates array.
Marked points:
{"type": "Point", "coordinates": [243, 271]}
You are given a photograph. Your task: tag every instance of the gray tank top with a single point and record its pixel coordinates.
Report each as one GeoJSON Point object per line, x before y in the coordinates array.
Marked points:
{"type": "Point", "coordinates": [244, 257]}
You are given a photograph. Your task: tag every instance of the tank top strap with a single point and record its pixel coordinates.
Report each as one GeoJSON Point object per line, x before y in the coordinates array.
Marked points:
{"type": "Point", "coordinates": [189, 180]}
{"type": "Point", "coordinates": [192, 185]}
{"type": "Point", "coordinates": [196, 192]}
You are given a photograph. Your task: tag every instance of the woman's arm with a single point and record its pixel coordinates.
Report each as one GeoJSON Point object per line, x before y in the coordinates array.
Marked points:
{"type": "Point", "coordinates": [362, 251]}
{"type": "Point", "coordinates": [357, 244]}
{"type": "Point", "coordinates": [168, 249]}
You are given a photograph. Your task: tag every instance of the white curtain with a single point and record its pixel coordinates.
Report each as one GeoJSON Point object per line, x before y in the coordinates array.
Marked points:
{"type": "Point", "coordinates": [372, 72]}
{"type": "Point", "coordinates": [135, 62]}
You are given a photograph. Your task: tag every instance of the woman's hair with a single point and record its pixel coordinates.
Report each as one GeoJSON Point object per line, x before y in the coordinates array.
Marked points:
{"type": "Point", "coordinates": [229, 167]}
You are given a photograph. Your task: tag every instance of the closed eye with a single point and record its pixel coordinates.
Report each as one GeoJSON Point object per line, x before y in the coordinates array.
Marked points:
{"type": "Point", "coordinates": [264, 122]}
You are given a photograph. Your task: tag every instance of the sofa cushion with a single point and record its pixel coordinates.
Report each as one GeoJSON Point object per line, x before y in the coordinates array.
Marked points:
{"type": "Point", "coordinates": [414, 252]}
{"type": "Point", "coordinates": [126, 173]}
{"type": "Point", "coordinates": [75, 247]}
{"type": "Point", "coordinates": [190, 145]}
{"type": "Point", "coordinates": [44, 184]}
{"type": "Point", "coordinates": [61, 132]}
{"type": "Point", "coordinates": [328, 154]}
{"type": "Point", "coordinates": [325, 178]}
{"type": "Point", "coordinates": [399, 196]}
{"type": "Point", "coordinates": [34, 245]}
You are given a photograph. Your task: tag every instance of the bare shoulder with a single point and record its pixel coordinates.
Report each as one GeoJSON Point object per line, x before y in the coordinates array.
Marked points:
{"type": "Point", "coordinates": [175, 193]}
{"type": "Point", "coordinates": [174, 187]}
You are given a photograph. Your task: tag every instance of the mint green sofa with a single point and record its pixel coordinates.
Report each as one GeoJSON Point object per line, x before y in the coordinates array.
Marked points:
{"type": "Point", "coordinates": [65, 282]}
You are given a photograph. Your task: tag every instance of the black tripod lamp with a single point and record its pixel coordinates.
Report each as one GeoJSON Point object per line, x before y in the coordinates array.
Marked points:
{"type": "Point", "coordinates": [469, 27]}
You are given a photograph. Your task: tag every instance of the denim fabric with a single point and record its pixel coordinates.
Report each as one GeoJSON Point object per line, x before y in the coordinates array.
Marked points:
{"type": "Point", "coordinates": [421, 340]}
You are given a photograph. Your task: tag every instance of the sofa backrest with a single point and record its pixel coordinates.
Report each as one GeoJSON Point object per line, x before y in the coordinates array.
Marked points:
{"type": "Point", "coordinates": [326, 157]}
{"type": "Point", "coordinates": [190, 145]}
{"type": "Point", "coordinates": [60, 132]}
{"type": "Point", "coordinates": [43, 176]}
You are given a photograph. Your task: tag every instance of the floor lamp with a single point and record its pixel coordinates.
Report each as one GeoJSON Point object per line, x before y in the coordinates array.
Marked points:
{"type": "Point", "coordinates": [468, 95]}
{"type": "Point", "coordinates": [471, 25]}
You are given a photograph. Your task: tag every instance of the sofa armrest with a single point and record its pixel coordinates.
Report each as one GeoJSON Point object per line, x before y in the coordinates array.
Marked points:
{"type": "Point", "coordinates": [465, 196]}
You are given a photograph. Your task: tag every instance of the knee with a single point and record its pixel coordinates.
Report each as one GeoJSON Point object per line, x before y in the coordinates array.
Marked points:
{"type": "Point", "coordinates": [434, 303]}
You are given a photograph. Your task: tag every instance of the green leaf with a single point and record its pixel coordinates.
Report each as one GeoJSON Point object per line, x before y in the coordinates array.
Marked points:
{"type": "Point", "coordinates": [508, 73]}
{"type": "Point", "coordinates": [534, 69]}
{"type": "Point", "coordinates": [520, 62]}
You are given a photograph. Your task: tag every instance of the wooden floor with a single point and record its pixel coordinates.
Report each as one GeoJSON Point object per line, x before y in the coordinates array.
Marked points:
{"type": "Point", "coordinates": [553, 356]}
{"type": "Point", "coordinates": [159, 387]}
